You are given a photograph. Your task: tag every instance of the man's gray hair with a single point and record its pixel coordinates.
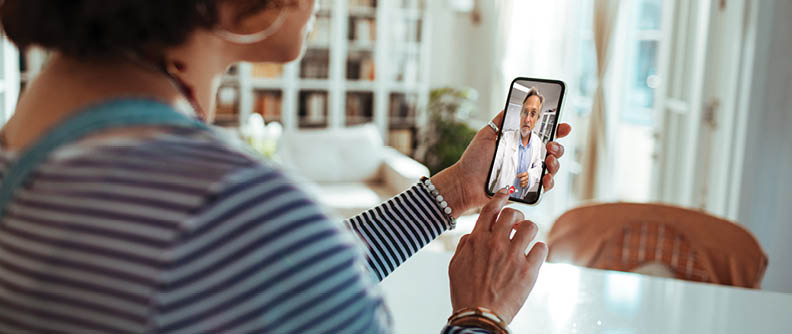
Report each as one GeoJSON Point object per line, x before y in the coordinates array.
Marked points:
{"type": "Point", "coordinates": [533, 91]}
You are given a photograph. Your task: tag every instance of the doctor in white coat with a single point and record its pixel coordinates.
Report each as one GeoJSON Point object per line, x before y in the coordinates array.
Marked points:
{"type": "Point", "coordinates": [520, 156]}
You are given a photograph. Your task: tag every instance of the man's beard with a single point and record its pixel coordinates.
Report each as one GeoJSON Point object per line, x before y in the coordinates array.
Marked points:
{"type": "Point", "coordinates": [525, 131]}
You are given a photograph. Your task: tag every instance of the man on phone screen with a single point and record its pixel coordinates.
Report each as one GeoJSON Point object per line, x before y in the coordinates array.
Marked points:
{"type": "Point", "coordinates": [518, 164]}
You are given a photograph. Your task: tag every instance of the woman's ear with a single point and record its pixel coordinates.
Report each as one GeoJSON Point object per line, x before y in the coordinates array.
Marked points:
{"type": "Point", "coordinates": [234, 17]}
{"type": "Point", "coordinates": [263, 31]}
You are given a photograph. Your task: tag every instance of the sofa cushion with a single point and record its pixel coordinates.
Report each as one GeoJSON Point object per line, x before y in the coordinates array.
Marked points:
{"type": "Point", "coordinates": [334, 155]}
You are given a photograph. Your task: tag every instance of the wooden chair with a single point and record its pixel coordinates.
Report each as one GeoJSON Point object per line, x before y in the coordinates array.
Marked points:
{"type": "Point", "coordinates": [693, 245]}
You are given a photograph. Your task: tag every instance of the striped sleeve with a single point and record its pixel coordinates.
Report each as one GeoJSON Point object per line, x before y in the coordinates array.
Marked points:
{"type": "Point", "coordinates": [262, 257]}
{"type": "Point", "coordinates": [398, 228]}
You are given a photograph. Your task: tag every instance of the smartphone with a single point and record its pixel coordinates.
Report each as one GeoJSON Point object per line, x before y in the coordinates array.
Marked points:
{"type": "Point", "coordinates": [530, 121]}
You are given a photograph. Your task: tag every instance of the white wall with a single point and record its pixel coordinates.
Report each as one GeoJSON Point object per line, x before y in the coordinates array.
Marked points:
{"type": "Point", "coordinates": [448, 56]}
{"type": "Point", "coordinates": [765, 204]}
{"type": "Point", "coordinates": [462, 53]}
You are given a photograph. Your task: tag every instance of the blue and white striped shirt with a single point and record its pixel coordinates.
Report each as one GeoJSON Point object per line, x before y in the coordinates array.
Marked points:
{"type": "Point", "coordinates": [180, 232]}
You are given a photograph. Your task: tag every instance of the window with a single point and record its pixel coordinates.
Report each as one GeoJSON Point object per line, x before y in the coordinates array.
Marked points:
{"type": "Point", "coordinates": [634, 133]}
{"type": "Point", "coordinates": [559, 43]}
{"type": "Point", "coordinates": [630, 96]}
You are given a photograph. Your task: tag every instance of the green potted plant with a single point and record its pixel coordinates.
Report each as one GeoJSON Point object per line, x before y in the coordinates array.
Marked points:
{"type": "Point", "coordinates": [447, 134]}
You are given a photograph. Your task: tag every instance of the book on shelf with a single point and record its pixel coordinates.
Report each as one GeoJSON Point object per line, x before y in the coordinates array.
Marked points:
{"type": "Point", "coordinates": [401, 140]}
{"type": "Point", "coordinates": [367, 69]}
{"type": "Point", "coordinates": [362, 3]}
{"type": "Point", "coordinates": [266, 70]}
{"type": "Point", "coordinates": [269, 105]}
{"type": "Point", "coordinates": [360, 66]}
{"type": "Point", "coordinates": [315, 64]}
{"type": "Point", "coordinates": [402, 108]}
{"type": "Point", "coordinates": [362, 30]}
{"type": "Point", "coordinates": [226, 101]}
{"type": "Point", "coordinates": [316, 105]}
{"type": "Point", "coordinates": [359, 107]}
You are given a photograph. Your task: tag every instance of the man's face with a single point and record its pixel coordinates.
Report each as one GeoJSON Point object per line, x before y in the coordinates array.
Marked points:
{"type": "Point", "coordinates": [529, 115]}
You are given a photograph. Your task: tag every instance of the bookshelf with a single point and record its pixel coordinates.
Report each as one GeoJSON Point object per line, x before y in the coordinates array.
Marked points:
{"type": "Point", "coordinates": [366, 61]}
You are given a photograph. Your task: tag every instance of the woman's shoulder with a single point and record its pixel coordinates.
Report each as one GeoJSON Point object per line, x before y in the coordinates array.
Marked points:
{"type": "Point", "coordinates": [194, 159]}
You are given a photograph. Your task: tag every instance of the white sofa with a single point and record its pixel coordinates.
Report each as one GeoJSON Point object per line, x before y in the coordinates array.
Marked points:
{"type": "Point", "coordinates": [347, 170]}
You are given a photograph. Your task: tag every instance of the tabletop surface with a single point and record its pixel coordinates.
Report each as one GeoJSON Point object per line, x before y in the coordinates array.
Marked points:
{"type": "Point", "coordinates": [569, 299]}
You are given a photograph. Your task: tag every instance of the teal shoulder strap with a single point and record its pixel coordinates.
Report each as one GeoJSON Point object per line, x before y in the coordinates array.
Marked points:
{"type": "Point", "coordinates": [115, 114]}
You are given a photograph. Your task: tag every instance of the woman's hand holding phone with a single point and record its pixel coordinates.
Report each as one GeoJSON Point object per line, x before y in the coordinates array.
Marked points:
{"type": "Point", "coordinates": [464, 182]}
{"type": "Point", "coordinates": [489, 269]}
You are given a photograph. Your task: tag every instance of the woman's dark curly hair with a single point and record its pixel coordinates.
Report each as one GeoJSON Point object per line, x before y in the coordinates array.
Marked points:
{"type": "Point", "coordinates": [91, 28]}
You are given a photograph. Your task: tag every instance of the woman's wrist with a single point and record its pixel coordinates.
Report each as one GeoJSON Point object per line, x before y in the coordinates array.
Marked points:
{"type": "Point", "coordinates": [479, 317]}
{"type": "Point", "coordinates": [449, 186]}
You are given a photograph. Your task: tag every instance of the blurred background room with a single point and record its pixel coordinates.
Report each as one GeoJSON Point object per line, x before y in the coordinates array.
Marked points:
{"type": "Point", "coordinates": [686, 103]}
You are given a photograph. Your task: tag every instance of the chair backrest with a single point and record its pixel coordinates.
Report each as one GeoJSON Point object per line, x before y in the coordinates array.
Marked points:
{"type": "Point", "coordinates": [694, 245]}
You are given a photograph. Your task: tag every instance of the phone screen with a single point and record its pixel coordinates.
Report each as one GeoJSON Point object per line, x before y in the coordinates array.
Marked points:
{"type": "Point", "coordinates": [531, 115]}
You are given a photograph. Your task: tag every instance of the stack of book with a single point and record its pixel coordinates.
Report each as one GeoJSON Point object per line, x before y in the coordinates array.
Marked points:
{"type": "Point", "coordinates": [269, 105]}
{"type": "Point", "coordinates": [360, 66]}
{"type": "Point", "coordinates": [226, 110]}
{"type": "Point", "coordinates": [359, 107]}
{"type": "Point", "coordinates": [315, 64]}
{"type": "Point", "coordinates": [362, 30]}
{"type": "Point", "coordinates": [313, 108]}
{"type": "Point", "coordinates": [362, 3]}
{"type": "Point", "coordinates": [401, 140]}
{"type": "Point", "coordinates": [402, 109]}
{"type": "Point", "coordinates": [266, 70]}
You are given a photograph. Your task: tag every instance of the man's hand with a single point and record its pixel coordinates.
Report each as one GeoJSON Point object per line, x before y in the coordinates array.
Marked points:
{"type": "Point", "coordinates": [525, 179]}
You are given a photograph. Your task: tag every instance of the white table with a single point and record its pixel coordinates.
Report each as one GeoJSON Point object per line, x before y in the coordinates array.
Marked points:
{"type": "Point", "coordinates": [568, 299]}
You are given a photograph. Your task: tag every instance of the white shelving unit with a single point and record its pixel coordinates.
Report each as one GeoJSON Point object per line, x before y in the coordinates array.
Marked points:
{"type": "Point", "coordinates": [365, 62]}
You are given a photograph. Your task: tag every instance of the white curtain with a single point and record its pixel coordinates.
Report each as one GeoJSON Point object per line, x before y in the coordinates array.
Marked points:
{"type": "Point", "coordinates": [503, 18]}
{"type": "Point", "coordinates": [542, 34]}
{"type": "Point", "coordinates": [606, 13]}
{"type": "Point", "coordinates": [541, 41]}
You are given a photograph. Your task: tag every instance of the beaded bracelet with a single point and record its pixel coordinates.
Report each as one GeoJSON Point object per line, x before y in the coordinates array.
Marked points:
{"type": "Point", "coordinates": [427, 184]}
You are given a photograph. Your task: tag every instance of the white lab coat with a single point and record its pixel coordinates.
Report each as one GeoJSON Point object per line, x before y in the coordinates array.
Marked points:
{"type": "Point", "coordinates": [504, 170]}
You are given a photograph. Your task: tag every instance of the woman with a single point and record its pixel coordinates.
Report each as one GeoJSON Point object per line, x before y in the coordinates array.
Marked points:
{"type": "Point", "coordinates": [121, 213]}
